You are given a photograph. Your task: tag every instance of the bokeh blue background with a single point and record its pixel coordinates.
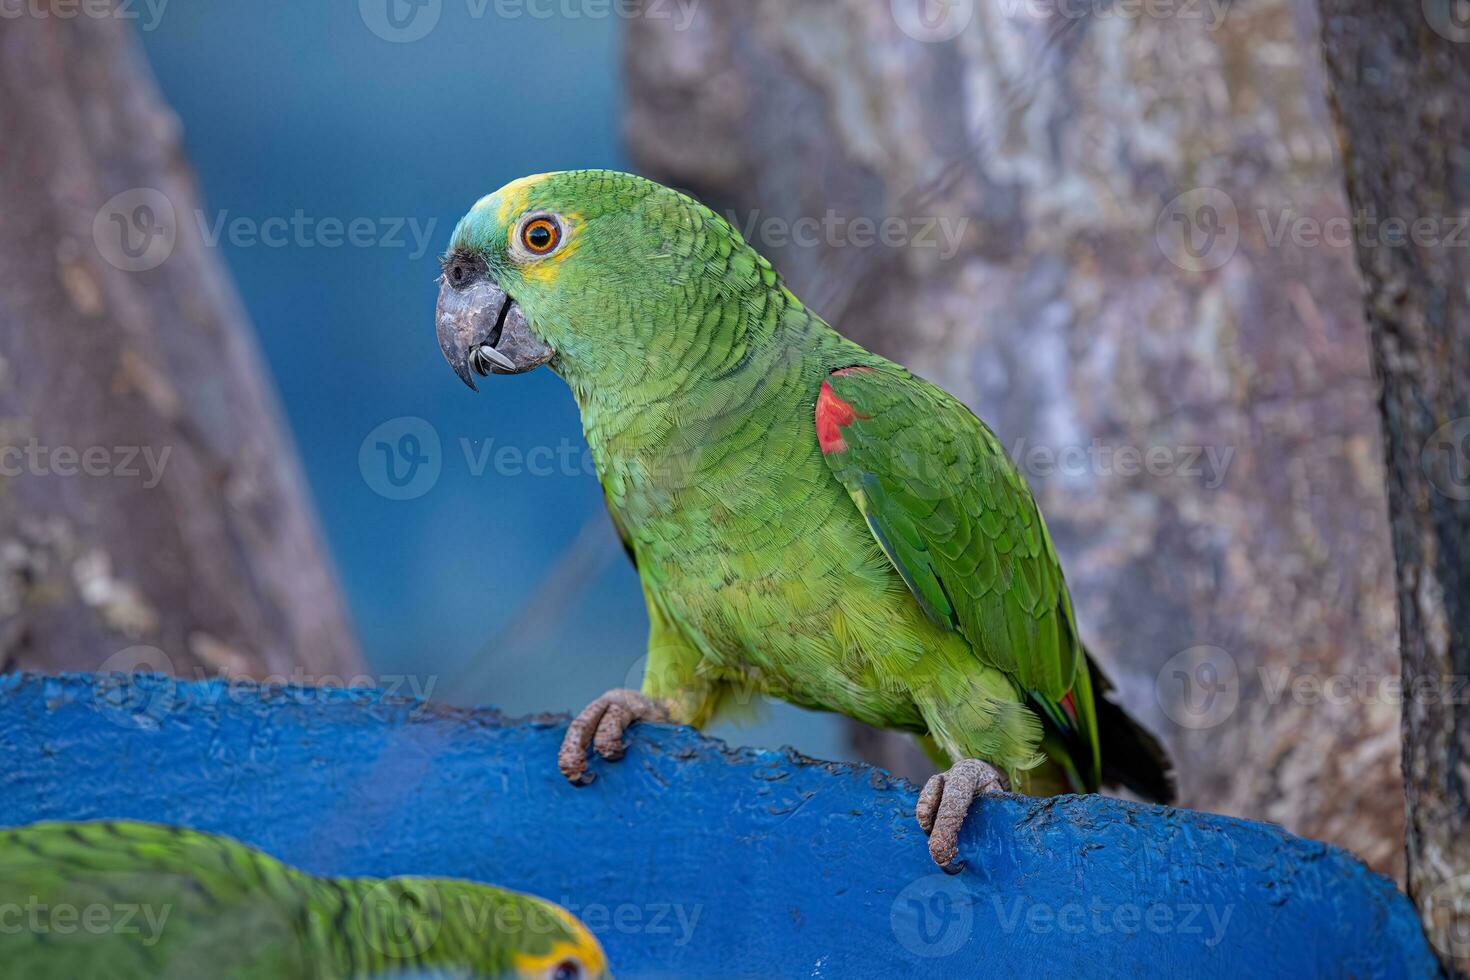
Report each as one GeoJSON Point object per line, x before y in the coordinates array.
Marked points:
{"type": "Point", "coordinates": [497, 587]}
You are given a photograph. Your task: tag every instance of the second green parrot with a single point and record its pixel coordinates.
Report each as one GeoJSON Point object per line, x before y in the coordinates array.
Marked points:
{"type": "Point", "coordinates": [809, 520]}
{"type": "Point", "coordinates": [123, 899]}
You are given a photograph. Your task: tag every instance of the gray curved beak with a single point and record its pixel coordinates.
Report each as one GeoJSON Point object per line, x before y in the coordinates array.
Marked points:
{"type": "Point", "coordinates": [482, 331]}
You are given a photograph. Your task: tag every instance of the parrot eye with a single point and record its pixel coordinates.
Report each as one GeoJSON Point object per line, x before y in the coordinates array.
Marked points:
{"type": "Point", "coordinates": [541, 235]}
{"type": "Point", "coordinates": [567, 970]}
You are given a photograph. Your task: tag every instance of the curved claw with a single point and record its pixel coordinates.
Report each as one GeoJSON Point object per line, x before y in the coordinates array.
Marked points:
{"type": "Point", "coordinates": [945, 802]}
{"type": "Point", "coordinates": [600, 726]}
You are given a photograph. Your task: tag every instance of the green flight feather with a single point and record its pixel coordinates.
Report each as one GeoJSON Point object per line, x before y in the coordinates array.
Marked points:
{"type": "Point", "coordinates": [957, 520]}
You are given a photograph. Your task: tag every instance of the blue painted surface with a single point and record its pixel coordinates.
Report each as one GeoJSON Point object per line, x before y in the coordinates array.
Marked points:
{"type": "Point", "coordinates": [692, 860]}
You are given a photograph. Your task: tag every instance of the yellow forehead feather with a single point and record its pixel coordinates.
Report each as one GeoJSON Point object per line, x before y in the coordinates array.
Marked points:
{"type": "Point", "coordinates": [514, 197]}
{"type": "Point", "coordinates": [583, 946]}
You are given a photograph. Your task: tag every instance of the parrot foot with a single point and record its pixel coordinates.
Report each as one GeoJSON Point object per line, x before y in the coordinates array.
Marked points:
{"type": "Point", "coordinates": [945, 802]}
{"type": "Point", "coordinates": [601, 725]}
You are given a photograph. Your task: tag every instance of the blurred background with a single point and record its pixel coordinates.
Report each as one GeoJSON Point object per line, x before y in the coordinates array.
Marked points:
{"type": "Point", "coordinates": [1117, 230]}
{"type": "Point", "coordinates": [493, 572]}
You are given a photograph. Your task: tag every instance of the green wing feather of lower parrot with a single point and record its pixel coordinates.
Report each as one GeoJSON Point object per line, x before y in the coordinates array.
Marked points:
{"type": "Point", "coordinates": [125, 899]}
{"type": "Point", "coordinates": [908, 581]}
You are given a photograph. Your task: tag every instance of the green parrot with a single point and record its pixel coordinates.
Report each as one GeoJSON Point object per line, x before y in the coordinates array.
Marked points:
{"type": "Point", "coordinates": [122, 899]}
{"type": "Point", "coordinates": [809, 520]}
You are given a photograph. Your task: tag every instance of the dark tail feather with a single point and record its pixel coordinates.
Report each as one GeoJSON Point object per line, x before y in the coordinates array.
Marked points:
{"type": "Point", "coordinates": [1131, 756]}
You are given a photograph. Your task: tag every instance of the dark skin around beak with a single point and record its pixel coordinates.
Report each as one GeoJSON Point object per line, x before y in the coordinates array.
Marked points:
{"type": "Point", "coordinates": [483, 331]}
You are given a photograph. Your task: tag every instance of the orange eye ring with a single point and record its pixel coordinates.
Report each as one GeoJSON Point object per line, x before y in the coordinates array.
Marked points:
{"type": "Point", "coordinates": [541, 236]}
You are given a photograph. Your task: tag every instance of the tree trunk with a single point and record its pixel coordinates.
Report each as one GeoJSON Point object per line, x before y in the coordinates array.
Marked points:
{"type": "Point", "coordinates": [151, 511]}
{"type": "Point", "coordinates": [1400, 77]}
{"type": "Point", "coordinates": [1104, 244]}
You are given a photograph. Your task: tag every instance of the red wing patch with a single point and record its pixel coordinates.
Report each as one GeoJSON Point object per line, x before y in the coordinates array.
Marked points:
{"type": "Point", "coordinates": [832, 415]}
{"type": "Point", "coordinates": [1070, 706]}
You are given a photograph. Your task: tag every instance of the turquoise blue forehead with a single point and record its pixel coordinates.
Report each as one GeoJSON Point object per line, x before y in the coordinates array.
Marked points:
{"type": "Point", "coordinates": [477, 230]}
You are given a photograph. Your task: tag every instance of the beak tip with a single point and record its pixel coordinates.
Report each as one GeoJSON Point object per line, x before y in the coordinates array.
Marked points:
{"type": "Point", "coordinates": [463, 372]}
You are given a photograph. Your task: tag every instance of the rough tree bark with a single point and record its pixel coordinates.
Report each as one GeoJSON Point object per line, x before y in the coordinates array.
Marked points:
{"type": "Point", "coordinates": [1137, 282]}
{"type": "Point", "coordinates": [151, 511]}
{"type": "Point", "coordinates": [1400, 76]}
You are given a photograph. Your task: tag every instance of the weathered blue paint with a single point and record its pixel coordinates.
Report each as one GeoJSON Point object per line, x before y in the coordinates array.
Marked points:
{"type": "Point", "coordinates": [693, 860]}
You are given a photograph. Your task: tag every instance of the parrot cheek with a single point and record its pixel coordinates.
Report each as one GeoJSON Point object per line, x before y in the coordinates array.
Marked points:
{"type": "Point", "coordinates": [483, 331]}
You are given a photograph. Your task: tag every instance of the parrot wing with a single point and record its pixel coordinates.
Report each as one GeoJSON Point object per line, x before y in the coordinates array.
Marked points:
{"type": "Point", "coordinates": [959, 524]}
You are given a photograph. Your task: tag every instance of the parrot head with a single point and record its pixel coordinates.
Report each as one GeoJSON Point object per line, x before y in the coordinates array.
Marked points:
{"type": "Point", "coordinates": [555, 945]}
{"type": "Point", "coordinates": [424, 926]}
{"type": "Point", "coordinates": [572, 269]}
